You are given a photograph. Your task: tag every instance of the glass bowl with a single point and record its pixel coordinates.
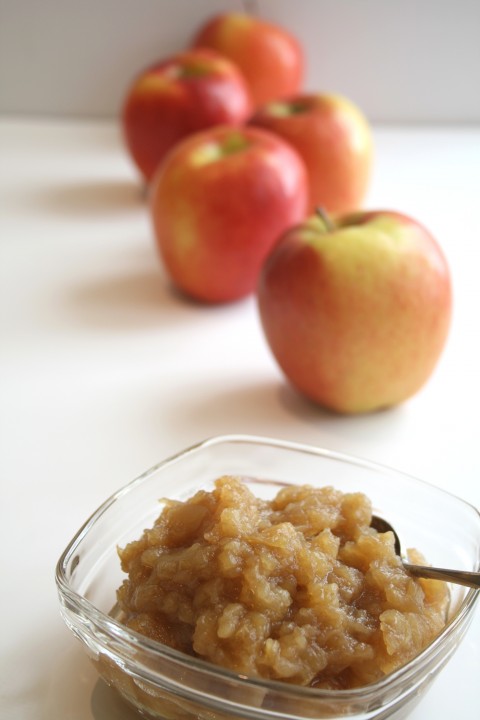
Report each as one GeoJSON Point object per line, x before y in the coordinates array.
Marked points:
{"type": "Point", "coordinates": [164, 683]}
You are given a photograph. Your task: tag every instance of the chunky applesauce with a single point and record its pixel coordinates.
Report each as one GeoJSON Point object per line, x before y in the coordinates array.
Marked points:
{"type": "Point", "coordinates": [299, 588]}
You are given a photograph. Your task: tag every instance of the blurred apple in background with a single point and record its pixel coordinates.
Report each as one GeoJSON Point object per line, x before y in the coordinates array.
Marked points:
{"type": "Point", "coordinates": [335, 141]}
{"type": "Point", "coordinates": [356, 312]}
{"type": "Point", "coordinates": [178, 96]}
{"type": "Point", "coordinates": [269, 56]}
{"type": "Point", "coordinates": [219, 201]}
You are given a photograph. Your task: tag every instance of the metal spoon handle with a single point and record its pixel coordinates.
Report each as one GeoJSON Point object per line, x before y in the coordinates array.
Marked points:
{"type": "Point", "coordinates": [460, 577]}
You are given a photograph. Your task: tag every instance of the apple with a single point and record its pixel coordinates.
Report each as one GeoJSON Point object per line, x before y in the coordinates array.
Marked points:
{"type": "Point", "coordinates": [356, 311]}
{"type": "Point", "coordinates": [219, 201]}
{"type": "Point", "coordinates": [269, 56]}
{"type": "Point", "coordinates": [178, 96]}
{"type": "Point", "coordinates": [334, 139]}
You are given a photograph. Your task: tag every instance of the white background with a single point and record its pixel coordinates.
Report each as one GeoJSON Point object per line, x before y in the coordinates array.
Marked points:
{"type": "Point", "coordinates": [401, 60]}
{"type": "Point", "coordinates": [105, 370]}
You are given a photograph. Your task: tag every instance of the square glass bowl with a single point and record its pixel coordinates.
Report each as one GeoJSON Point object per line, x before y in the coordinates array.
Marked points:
{"type": "Point", "coordinates": [164, 683]}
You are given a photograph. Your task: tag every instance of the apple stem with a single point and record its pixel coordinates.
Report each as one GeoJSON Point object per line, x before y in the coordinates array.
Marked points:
{"type": "Point", "coordinates": [327, 220]}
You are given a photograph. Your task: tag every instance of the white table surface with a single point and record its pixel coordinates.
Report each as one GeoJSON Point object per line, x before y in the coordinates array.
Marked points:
{"type": "Point", "coordinates": [105, 371]}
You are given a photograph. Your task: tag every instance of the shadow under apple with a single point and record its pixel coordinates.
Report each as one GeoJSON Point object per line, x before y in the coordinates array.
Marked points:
{"type": "Point", "coordinates": [96, 197]}
{"type": "Point", "coordinates": [273, 408]}
{"type": "Point", "coordinates": [261, 407]}
{"type": "Point", "coordinates": [138, 299]}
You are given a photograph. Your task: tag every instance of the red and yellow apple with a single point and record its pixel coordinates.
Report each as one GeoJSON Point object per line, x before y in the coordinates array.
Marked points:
{"type": "Point", "coordinates": [219, 201]}
{"type": "Point", "coordinates": [269, 56]}
{"type": "Point", "coordinates": [334, 139]}
{"type": "Point", "coordinates": [178, 96]}
{"type": "Point", "coordinates": [356, 311]}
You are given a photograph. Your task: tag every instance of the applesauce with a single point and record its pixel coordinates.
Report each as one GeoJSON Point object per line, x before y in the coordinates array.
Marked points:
{"type": "Point", "coordinates": [299, 588]}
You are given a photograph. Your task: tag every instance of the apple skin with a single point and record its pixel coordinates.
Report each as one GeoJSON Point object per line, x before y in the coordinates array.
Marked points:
{"type": "Point", "coordinates": [219, 202]}
{"type": "Point", "coordinates": [270, 58]}
{"type": "Point", "coordinates": [356, 316]}
{"type": "Point", "coordinates": [178, 96]}
{"type": "Point", "coordinates": [334, 139]}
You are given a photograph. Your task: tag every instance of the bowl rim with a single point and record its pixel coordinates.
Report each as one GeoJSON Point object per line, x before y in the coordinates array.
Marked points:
{"type": "Point", "coordinates": [128, 637]}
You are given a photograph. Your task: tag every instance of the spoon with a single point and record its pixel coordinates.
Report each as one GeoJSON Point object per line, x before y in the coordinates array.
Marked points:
{"type": "Point", "coordinates": [460, 577]}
